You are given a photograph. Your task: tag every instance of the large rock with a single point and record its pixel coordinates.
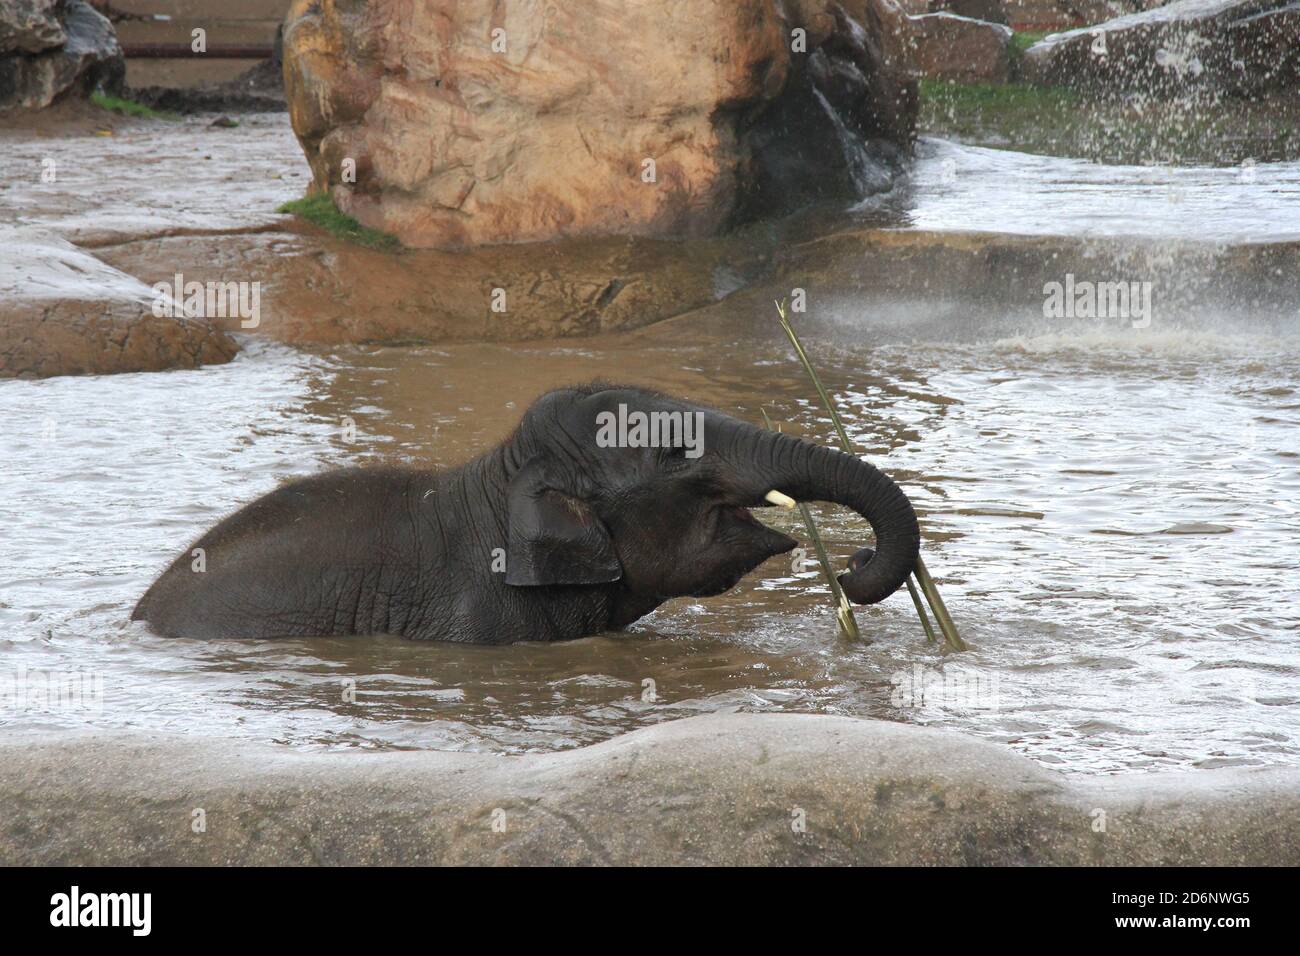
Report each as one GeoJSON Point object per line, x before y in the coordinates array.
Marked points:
{"type": "Point", "coordinates": [990, 11]}
{"type": "Point", "coordinates": [468, 124]}
{"type": "Point", "coordinates": [71, 337]}
{"type": "Point", "coordinates": [950, 47]}
{"type": "Point", "coordinates": [1088, 12]}
{"type": "Point", "coordinates": [50, 49]}
{"type": "Point", "coordinates": [64, 312]}
{"type": "Point", "coordinates": [738, 789]}
{"type": "Point", "coordinates": [1188, 47]}
{"type": "Point", "coordinates": [1040, 15]}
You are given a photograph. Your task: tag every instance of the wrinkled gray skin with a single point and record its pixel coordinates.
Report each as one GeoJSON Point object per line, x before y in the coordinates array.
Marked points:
{"type": "Point", "coordinates": [593, 538]}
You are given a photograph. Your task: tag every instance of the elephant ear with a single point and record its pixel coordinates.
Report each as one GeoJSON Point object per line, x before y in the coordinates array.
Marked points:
{"type": "Point", "coordinates": [555, 536]}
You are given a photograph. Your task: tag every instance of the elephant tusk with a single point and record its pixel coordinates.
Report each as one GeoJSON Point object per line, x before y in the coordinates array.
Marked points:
{"type": "Point", "coordinates": [776, 498]}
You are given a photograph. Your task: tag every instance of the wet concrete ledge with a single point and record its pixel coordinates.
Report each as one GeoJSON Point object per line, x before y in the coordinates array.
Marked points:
{"type": "Point", "coordinates": [317, 290]}
{"type": "Point", "coordinates": [722, 789]}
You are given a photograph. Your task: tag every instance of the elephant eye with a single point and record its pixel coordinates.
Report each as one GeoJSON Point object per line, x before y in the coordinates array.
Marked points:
{"type": "Point", "coordinates": [673, 455]}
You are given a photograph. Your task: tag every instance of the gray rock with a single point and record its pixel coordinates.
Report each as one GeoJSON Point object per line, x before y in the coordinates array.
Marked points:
{"type": "Point", "coordinates": [87, 56]}
{"type": "Point", "coordinates": [723, 789]}
{"type": "Point", "coordinates": [1188, 47]}
{"type": "Point", "coordinates": [1262, 52]}
{"type": "Point", "coordinates": [30, 26]}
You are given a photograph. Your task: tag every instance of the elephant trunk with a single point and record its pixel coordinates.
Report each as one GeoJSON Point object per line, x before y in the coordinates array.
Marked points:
{"type": "Point", "coordinates": [809, 472]}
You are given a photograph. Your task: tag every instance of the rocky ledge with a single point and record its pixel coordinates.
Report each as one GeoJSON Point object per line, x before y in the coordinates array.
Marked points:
{"type": "Point", "coordinates": [64, 312]}
{"type": "Point", "coordinates": [94, 338]}
{"type": "Point", "coordinates": [722, 789]}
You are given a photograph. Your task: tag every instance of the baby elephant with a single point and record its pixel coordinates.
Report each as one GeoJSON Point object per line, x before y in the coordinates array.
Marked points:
{"type": "Point", "coordinates": [605, 502]}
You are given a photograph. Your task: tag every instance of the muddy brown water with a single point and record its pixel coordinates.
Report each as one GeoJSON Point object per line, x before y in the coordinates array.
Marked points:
{"type": "Point", "coordinates": [1111, 512]}
{"type": "Point", "coordinates": [1114, 523]}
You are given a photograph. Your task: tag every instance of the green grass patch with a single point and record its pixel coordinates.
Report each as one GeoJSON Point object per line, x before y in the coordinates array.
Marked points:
{"type": "Point", "coordinates": [1011, 98]}
{"type": "Point", "coordinates": [319, 209]}
{"type": "Point", "coordinates": [1020, 42]}
{"type": "Point", "coordinates": [124, 107]}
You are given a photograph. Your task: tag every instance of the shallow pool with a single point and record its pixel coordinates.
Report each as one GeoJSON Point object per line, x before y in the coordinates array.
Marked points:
{"type": "Point", "coordinates": [1112, 514]}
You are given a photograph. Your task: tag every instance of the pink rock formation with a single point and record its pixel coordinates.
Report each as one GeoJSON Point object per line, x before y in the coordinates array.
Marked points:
{"type": "Point", "coordinates": [454, 124]}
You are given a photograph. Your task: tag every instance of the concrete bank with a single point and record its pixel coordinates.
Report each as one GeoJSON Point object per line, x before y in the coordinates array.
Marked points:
{"type": "Point", "coordinates": [726, 789]}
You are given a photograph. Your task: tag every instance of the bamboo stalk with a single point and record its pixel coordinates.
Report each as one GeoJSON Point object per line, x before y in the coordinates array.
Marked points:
{"type": "Point", "coordinates": [938, 607]}
{"type": "Point", "coordinates": [848, 624]}
{"type": "Point", "coordinates": [920, 611]}
{"type": "Point", "coordinates": [951, 638]}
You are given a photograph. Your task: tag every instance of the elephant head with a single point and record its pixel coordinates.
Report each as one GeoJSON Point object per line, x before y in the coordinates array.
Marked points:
{"type": "Point", "coordinates": [615, 484]}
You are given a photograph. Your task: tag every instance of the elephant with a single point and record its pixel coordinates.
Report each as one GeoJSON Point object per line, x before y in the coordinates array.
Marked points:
{"type": "Point", "coordinates": [605, 502]}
